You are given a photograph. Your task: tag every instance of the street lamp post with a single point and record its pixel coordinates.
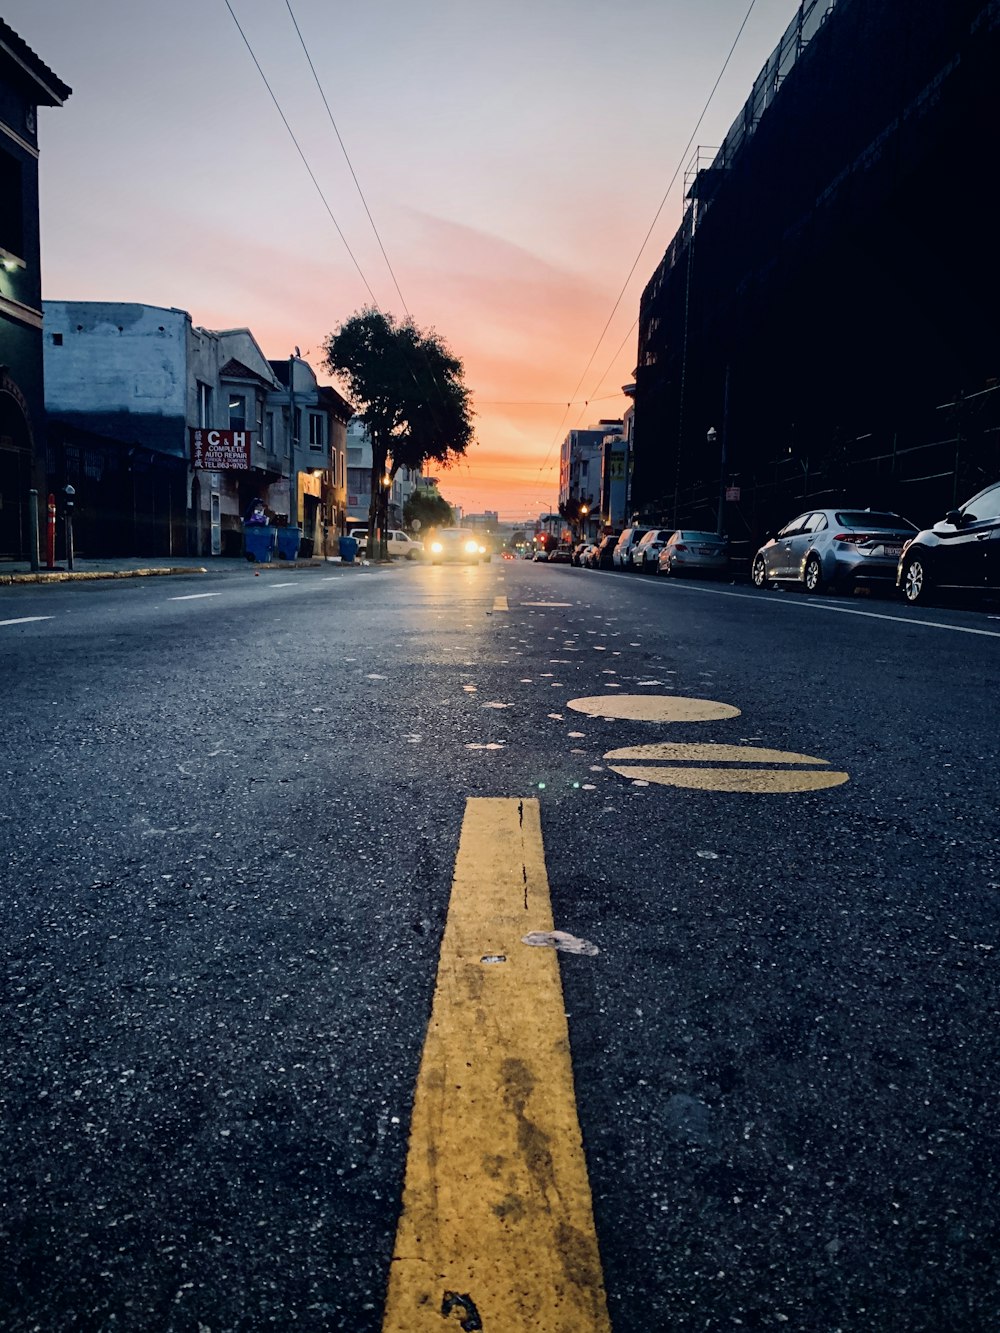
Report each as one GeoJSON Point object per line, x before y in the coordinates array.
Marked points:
{"type": "Point", "coordinates": [712, 437]}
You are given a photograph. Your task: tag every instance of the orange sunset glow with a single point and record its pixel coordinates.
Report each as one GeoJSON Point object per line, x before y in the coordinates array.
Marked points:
{"type": "Point", "coordinates": [511, 158]}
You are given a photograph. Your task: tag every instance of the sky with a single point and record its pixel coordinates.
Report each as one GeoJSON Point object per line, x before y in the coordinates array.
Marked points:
{"type": "Point", "coordinates": [512, 155]}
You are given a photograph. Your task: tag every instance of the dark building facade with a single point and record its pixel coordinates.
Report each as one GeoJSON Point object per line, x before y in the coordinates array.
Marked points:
{"type": "Point", "coordinates": [26, 83]}
{"type": "Point", "coordinates": [829, 303]}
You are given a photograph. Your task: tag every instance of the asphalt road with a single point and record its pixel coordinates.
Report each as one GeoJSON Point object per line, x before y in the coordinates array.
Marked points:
{"type": "Point", "coordinates": [233, 806]}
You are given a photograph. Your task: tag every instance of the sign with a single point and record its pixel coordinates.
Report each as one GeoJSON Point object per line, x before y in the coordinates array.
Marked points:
{"type": "Point", "coordinates": [732, 492]}
{"type": "Point", "coordinates": [220, 450]}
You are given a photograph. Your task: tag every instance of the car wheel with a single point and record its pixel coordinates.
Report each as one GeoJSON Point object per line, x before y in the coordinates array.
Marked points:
{"type": "Point", "coordinates": [812, 575]}
{"type": "Point", "coordinates": [758, 573]}
{"type": "Point", "coordinates": [916, 585]}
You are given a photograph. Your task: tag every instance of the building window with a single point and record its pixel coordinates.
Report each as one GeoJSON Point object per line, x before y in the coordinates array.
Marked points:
{"type": "Point", "coordinates": [315, 431]}
{"type": "Point", "coordinates": [204, 404]}
{"type": "Point", "coordinates": [259, 404]}
{"type": "Point", "coordinates": [270, 433]}
{"type": "Point", "coordinates": [11, 206]}
{"type": "Point", "coordinates": [237, 411]}
{"type": "Point", "coordinates": [57, 340]}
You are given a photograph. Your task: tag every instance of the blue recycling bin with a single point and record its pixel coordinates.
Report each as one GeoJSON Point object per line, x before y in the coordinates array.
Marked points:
{"type": "Point", "coordinates": [258, 543]}
{"type": "Point", "coordinates": [348, 550]}
{"type": "Point", "coordinates": [288, 543]}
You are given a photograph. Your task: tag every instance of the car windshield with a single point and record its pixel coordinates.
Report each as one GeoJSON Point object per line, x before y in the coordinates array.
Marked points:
{"type": "Point", "coordinates": [865, 521]}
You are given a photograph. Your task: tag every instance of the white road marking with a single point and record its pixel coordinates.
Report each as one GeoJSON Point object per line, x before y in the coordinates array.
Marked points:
{"type": "Point", "coordinates": [193, 596]}
{"type": "Point", "coordinates": [840, 610]}
{"type": "Point", "coordinates": [280, 585]}
{"type": "Point", "coordinates": [25, 620]}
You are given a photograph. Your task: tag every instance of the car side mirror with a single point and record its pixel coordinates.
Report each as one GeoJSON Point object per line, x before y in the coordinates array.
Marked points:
{"type": "Point", "coordinates": [954, 517]}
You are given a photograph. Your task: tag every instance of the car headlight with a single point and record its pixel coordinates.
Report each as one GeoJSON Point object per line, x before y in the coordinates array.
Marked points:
{"type": "Point", "coordinates": [482, 550]}
{"type": "Point", "coordinates": [472, 548]}
{"type": "Point", "coordinates": [437, 548]}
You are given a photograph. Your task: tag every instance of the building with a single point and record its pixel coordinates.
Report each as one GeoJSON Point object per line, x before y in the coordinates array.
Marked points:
{"type": "Point", "coordinates": [616, 471]}
{"type": "Point", "coordinates": [822, 325]}
{"type": "Point", "coordinates": [321, 416]}
{"type": "Point", "coordinates": [581, 469]}
{"type": "Point", "coordinates": [26, 84]}
{"type": "Point", "coordinates": [359, 479]}
{"type": "Point", "coordinates": [134, 394]}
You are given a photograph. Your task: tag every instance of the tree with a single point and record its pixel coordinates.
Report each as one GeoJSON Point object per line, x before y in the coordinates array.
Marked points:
{"type": "Point", "coordinates": [411, 397]}
{"type": "Point", "coordinates": [429, 509]}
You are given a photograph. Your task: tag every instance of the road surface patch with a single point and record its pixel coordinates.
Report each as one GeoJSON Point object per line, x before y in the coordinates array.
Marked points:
{"type": "Point", "coordinates": [726, 768]}
{"type": "Point", "coordinates": [500, 604]}
{"type": "Point", "coordinates": [497, 1215]}
{"type": "Point", "coordinates": [654, 708]}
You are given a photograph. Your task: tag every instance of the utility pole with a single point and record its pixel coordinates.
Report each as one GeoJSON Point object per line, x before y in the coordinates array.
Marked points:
{"type": "Point", "coordinates": [293, 479]}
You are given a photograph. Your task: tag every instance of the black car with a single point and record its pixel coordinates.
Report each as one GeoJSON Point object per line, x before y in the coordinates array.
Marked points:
{"type": "Point", "coordinates": [602, 556]}
{"type": "Point", "coordinates": [962, 551]}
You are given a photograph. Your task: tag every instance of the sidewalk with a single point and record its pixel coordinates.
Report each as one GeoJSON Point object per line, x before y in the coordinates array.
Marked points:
{"type": "Point", "coordinates": [19, 571]}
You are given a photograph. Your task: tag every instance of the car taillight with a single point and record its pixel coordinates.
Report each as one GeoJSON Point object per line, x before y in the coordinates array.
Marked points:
{"type": "Point", "coordinates": [856, 538]}
{"type": "Point", "coordinates": [680, 547]}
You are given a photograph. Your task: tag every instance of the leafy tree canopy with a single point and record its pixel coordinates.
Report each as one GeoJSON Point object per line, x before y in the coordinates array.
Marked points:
{"type": "Point", "coordinates": [429, 509]}
{"type": "Point", "coordinates": [409, 391]}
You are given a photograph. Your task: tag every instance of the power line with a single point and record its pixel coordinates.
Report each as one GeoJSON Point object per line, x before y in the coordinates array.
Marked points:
{"type": "Point", "coordinates": [347, 159]}
{"type": "Point", "coordinates": [305, 161]}
{"type": "Point", "coordinates": [656, 218]}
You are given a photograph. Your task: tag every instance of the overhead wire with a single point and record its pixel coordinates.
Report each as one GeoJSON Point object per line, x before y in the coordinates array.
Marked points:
{"type": "Point", "coordinates": [645, 241]}
{"type": "Point", "coordinates": [347, 158]}
{"type": "Point", "coordinates": [305, 160]}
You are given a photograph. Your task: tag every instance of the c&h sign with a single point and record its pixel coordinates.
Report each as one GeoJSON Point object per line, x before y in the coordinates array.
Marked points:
{"type": "Point", "coordinates": [220, 450]}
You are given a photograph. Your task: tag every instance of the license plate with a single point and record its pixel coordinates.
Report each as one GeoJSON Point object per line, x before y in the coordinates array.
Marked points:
{"type": "Point", "coordinates": [894, 551]}
{"type": "Point", "coordinates": [706, 550]}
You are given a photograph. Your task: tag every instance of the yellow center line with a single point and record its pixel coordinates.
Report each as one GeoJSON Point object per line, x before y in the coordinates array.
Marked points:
{"type": "Point", "coordinates": [500, 604]}
{"type": "Point", "coordinates": [497, 1228]}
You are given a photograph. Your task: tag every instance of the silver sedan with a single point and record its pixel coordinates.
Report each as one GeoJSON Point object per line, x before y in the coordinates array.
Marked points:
{"type": "Point", "coordinates": [830, 548]}
{"type": "Point", "coordinates": [688, 552]}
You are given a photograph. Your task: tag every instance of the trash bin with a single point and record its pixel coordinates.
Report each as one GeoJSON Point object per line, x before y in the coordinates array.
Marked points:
{"type": "Point", "coordinates": [258, 543]}
{"type": "Point", "coordinates": [348, 550]}
{"type": "Point", "coordinates": [288, 543]}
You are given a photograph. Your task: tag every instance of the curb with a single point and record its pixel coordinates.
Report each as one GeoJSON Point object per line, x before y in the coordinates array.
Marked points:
{"type": "Point", "coordinates": [91, 575]}
{"type": "Point", "coordinates": [151, 571]}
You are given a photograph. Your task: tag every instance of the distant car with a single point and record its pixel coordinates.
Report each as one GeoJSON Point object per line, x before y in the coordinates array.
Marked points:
{"type": "Point", "coordinates": [587, 556]}
{"type": "Point", "coordinates": [456, 546]}
{"type": "Point", "coordinates": [647, 550]}
{"type": "Point", "coordinates": [833, 548]}
{"type": "Point", "coordinates": [603, 557]}
{"type": "Point", "coordinates": [962, 551]}
{"type": "Point", "coordinates": [578, 551]}
{"type": "Point", "coordinates": [541, 555]}
{"type": "Point", "coordinates": [690, 552]}
{"type": "Point", "coordinates": [562, 555]}
{"type": "Point", "coordinates": [621, 557]}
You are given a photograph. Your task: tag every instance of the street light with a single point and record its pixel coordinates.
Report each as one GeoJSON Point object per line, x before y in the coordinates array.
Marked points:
{"type": "Point", "coordinates": [712, 436]}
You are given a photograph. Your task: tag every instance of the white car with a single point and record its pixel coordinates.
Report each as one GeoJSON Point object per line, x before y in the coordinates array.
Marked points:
{"type": "Point", "coordinates": [400, 544]}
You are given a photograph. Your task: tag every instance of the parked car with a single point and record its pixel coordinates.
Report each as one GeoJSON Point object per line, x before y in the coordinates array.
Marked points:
{"type": "Point", "coordinates": [603, 557]}
{"type": "Point", "coordinates": [562, 555]}
{"type": "Point", "coordinates": [456, 545]}
{"type": "Point", "coordinates": [586, 560]}
{"type": "Point", "coordinates": [400, 544]}
{"type": "Point", "coordinates": [833, 548]}
{"type": "Point", "coordinates": [646, 551]}
{"type": "Point", "coordinates": [961, 551]}
{"type": "Point", "coordinates": [621, 557]}
{"type": "Point", "coordinates": [690, 552]}
{"type": "Point", "coordinates": [541, 555]}
{"type": "Point", "coordinates": [578, 551]}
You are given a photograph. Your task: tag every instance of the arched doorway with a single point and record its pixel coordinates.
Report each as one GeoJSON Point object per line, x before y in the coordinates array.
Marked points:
{"type": "Point", "coordinates": [15, 470]}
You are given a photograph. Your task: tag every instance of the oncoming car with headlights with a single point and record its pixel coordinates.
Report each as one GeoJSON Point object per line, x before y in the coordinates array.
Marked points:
{"type": "Point", "coordinates": [456, 546]}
